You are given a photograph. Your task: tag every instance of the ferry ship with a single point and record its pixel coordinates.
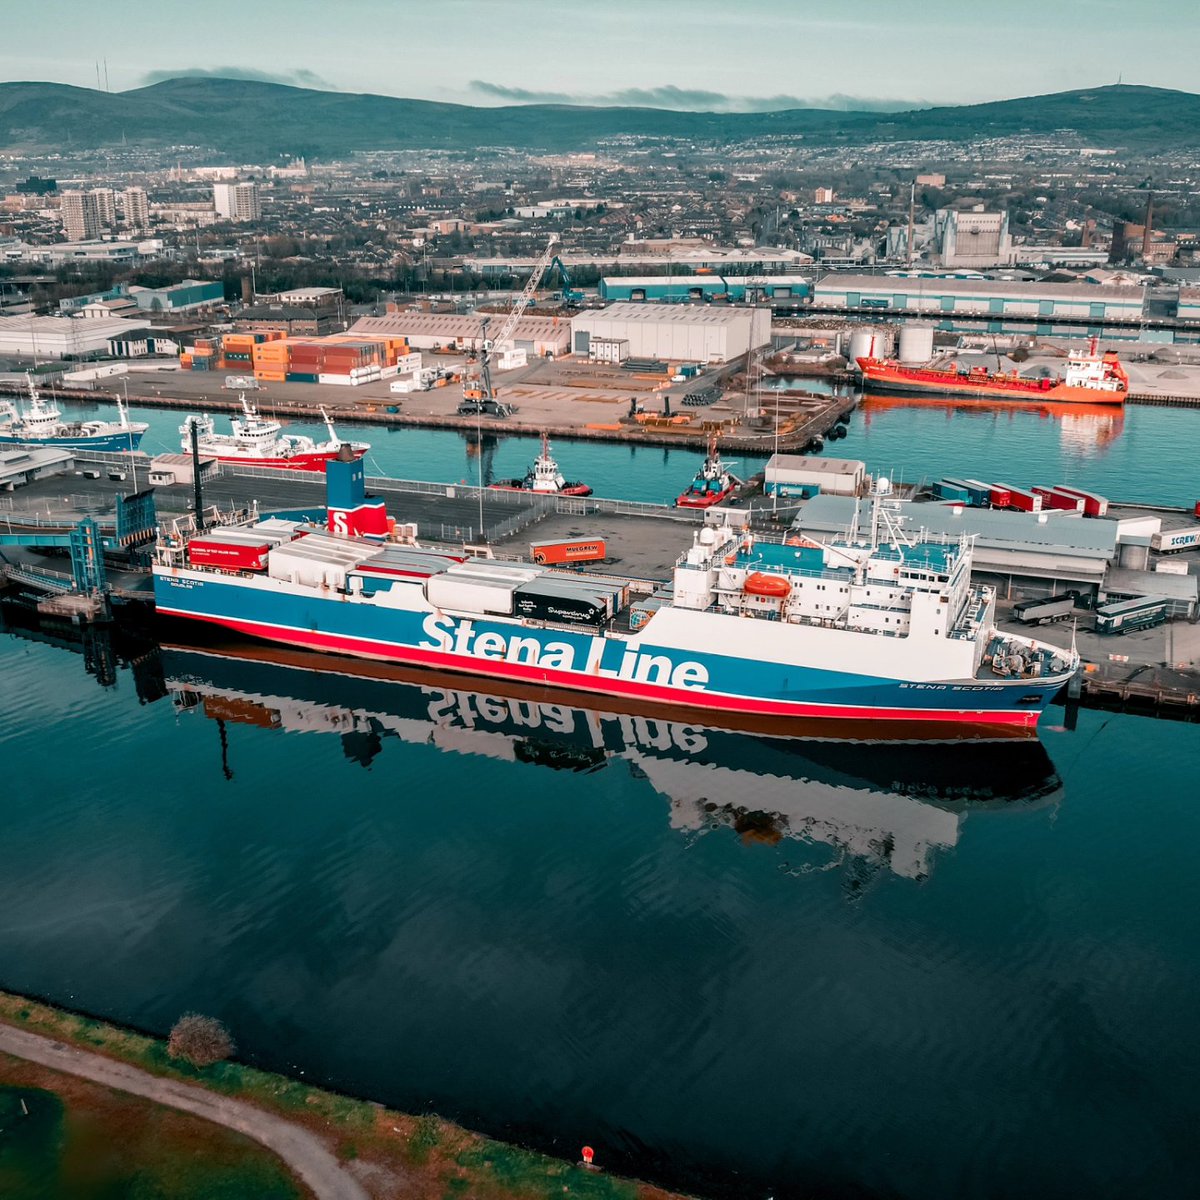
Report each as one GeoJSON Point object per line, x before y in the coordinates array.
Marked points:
{"type": "Point", "coordinates": [544, 477]}
{"type": "Point", "coordinates": [889, 629]}
{"type": "Point", "coordinates": [42, 424]}
{"type": "Point", "coordinates": [1090, 378]}
{"type": "Point", "coordinates": [259, 442]}
{"type": "Point", "coordinates": [713, 483]}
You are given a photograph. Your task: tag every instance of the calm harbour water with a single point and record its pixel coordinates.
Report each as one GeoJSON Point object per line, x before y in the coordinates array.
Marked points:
{"type": "Point", "coordinates": [737, 964]}
{"type": "Point", "coordinates": [734, 964]}
{"type": "Point", "coordinates": [1141, 454]}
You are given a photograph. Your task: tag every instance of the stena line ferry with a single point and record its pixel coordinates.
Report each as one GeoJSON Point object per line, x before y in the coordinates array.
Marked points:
{"type": "Point", "coordinates": [888, 628]}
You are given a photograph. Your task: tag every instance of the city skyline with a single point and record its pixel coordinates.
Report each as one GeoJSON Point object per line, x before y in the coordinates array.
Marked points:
{"type": "Point", "coordinates": [703, 55]}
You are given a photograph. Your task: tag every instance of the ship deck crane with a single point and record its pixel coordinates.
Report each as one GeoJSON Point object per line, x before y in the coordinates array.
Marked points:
{"type": "Point", "coordinates": [478, 395]}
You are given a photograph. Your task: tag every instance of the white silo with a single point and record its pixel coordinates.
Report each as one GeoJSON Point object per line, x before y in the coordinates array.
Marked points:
{"type": "Point", "coordinates": [864, 343]}
{"type": "Point", "coordinates": [916, 343]}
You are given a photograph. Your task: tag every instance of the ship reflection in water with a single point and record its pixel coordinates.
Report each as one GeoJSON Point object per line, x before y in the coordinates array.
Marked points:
{"type": "Point", "coordinates": [871, 805]}
{"type": "Point", "coordinates": [1085, 430]}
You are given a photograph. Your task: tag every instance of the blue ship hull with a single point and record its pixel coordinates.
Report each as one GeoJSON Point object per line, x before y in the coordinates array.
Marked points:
{"type": "Point", "coordinates": [107, 443]}
{"type": "Point", "coordinates": [589, 663]}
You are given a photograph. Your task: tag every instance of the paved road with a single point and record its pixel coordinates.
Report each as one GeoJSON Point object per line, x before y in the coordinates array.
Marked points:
{"type": "Point", "coordinates": [298, 1148]}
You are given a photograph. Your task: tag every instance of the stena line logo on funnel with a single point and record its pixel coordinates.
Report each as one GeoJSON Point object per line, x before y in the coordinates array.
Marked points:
{"type": "Point", "coordinates": [454, 636]}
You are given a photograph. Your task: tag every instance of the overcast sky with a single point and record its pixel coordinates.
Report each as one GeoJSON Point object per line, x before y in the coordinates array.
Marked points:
{"type": "Point", "coordinates": [696, 54]}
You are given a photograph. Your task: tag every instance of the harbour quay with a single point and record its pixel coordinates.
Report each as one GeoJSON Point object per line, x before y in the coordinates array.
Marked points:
{"type": "Point", "coordinates": [1025, 556]}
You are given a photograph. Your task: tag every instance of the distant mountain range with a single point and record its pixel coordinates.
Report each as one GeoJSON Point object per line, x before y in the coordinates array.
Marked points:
{"type": "Point", "coordinates": [255, 121]}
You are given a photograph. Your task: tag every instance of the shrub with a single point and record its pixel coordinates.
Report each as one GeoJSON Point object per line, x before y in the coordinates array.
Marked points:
{"type": "Point", "coordinates": [199, 1040]}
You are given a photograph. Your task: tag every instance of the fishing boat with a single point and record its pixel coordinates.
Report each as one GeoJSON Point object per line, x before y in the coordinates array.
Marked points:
{"type": "Point", "coordinates": [41, 424]}
{"type": "Point", "coordinates": [544, 477]}
{"type": "Point", "coordinates": [1090, 378]}
{"type": "Point", "coordinates": [257, 441]}
{"type": "Point", "coordinates": [712, 484]}
{"type": "Point", "coordinates": [883, 627]}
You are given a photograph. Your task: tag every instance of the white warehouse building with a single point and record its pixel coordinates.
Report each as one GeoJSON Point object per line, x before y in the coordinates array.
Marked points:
{"type": "Point", "coordinates": [673, 332]}
{"type": "Point", "coordinates": [63, 337]}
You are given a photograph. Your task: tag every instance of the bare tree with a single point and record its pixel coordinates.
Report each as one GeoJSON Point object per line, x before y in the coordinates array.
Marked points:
{"type": "Point", "coordinates": [199, 1040]}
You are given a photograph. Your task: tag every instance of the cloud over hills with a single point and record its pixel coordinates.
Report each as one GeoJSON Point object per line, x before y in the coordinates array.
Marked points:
{"type": "Point", "coordinates": [691, 99]}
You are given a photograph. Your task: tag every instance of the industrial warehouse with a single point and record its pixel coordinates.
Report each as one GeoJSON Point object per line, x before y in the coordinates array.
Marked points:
{"type": "Point", "coordinates": [674, 333]}
{"type": "Point", "coordinates": [541, 336]}
{"type": "Point", "coordinates": [979, 297]}
{"type": "Point", "coordinates": [674, 289]}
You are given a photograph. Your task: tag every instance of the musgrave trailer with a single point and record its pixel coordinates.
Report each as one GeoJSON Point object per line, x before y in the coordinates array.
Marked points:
{"type": "Point", "coordinates": [1126, 616]}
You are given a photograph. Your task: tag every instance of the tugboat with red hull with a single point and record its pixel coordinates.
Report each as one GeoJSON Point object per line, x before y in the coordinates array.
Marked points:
{"type": "Point", "coordinates": [713, 483]}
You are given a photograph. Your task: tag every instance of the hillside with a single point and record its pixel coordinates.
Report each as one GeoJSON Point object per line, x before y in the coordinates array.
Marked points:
{"type": "Point", "coordinates": [253, 120]}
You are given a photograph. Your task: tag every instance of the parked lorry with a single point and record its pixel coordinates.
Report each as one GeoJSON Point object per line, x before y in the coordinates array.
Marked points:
{"type": "Point", "coordinates": [1125, 616]}
{"type": "Point", "coordinates": [1170, 541]}
{"type": "Point", "coordinates": [1045, 609]}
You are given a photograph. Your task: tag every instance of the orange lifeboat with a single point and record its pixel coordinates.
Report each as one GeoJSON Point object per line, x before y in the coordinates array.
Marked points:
{"type": "Point", "coordinates": [760, 584]}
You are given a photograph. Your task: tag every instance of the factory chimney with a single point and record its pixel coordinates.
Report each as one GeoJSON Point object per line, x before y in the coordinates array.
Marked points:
{"type": "Point", "coordinates": [1148, 231]}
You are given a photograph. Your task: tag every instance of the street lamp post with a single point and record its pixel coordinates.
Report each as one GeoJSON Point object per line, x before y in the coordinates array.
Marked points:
{"type": "Point", "coordinates": [129, 433]}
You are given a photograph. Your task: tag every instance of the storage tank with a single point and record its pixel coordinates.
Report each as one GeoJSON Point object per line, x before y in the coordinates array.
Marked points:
{"type": "Point", "coordinates": [865, 343]}
{"type": "Point", "coordinates": [916, 343]}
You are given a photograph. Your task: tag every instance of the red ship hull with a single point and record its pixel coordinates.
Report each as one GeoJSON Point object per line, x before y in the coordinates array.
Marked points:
{"type": "Point", "coordinates": [297, 462]}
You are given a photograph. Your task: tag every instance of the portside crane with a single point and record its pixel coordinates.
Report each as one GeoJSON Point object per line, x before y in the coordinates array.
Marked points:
{"type": "Point", "coordinates": [479, 398]}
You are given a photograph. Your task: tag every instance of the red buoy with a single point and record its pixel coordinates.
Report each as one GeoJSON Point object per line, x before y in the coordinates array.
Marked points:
{"type": "Point", "coordinates": [588, 1155]}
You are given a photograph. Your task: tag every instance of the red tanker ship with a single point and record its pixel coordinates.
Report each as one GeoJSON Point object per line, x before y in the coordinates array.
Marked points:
{"type": "Point", "coordinates": [1090, 378]}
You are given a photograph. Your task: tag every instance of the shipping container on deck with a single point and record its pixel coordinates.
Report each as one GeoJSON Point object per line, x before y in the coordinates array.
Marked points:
{"type": "Point", "coordinates": [489, 568]}
{"type": "Point", "coordinates": [540, 601]}
{"type": "Point", "coordinates": [607, 594]}
{"type": "Point", "coordinates": [400, 560]}
{"type": "Point", "coordinates": [998, 497]}
{"type": "Point", "coordinates": [317, 560]}
{"type": "Point", "coordinates": [1019, 498]}
{"type": "Point", "coordinates": [1093, 505]}
{"type": "Point", "coordinates": [644, 608]}
{"type": "Point", "coordinates": [604, 583]}
{"type": "Point", "coordinates": [301, 377]}
{"type": "Point", "coordinates": [467, 594]}
{"type": "Point", "coordinates": [228, 556]}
